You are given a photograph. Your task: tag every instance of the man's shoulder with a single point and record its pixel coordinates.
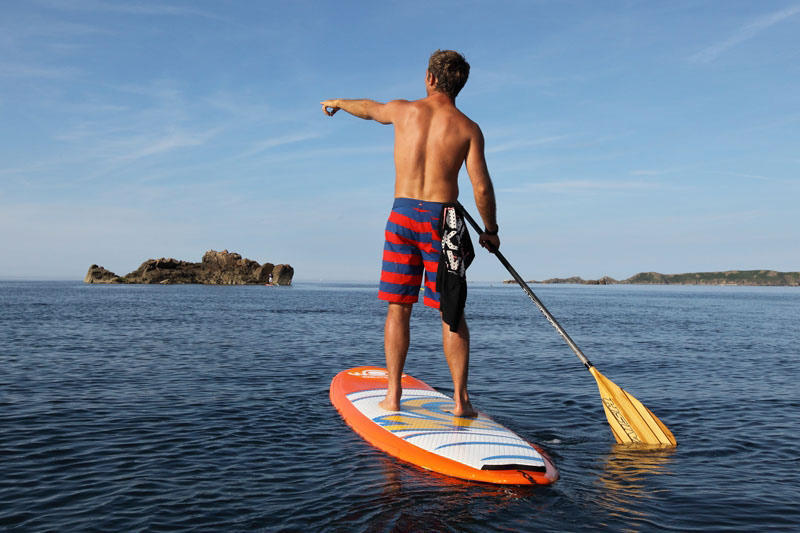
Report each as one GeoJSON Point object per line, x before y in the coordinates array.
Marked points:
{"type": "Point", "coordinates": [454, 112]}
{"type": "Point", "coordinates": [464, 118]}
{"type": "Point", "coordinates": [400, 106]}
{"type": "Point", "coordinates": [469, 124]}
{"type": "Point", "coordinates": [458, 121]}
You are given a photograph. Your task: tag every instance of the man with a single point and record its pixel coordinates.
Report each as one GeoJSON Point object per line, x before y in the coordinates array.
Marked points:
{"type": "Point", "coordinates": [432, 140]}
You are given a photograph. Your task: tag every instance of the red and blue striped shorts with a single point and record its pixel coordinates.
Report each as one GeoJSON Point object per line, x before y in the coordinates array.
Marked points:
{"type": "Point", "coordinates": [412, 248]}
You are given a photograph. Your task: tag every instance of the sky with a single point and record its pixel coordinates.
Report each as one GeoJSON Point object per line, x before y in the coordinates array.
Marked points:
{"type": "Point", "coordinates": [621, 137]}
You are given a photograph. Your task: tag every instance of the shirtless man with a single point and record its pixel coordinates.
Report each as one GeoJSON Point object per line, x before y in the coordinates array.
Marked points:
{"type": "Point", "coordinates": [432, 140]}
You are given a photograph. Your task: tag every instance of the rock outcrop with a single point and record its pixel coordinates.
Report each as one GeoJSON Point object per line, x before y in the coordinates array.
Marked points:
{"type": "Point", "coordinates": [605, 280]}
{"type": "Point", "coordinates": [98, 274]}
{"type": "Point", "coordinates": [216, 268]}
{"type": "Point", "coordinates": [282, 274]}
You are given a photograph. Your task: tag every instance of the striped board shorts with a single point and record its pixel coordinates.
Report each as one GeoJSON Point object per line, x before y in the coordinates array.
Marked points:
{"type": "Point", "coordinates": [412, 247]}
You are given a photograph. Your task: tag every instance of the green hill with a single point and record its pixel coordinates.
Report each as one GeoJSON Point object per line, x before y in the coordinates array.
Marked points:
{"type": "Point", "coordinates": [729, 277]}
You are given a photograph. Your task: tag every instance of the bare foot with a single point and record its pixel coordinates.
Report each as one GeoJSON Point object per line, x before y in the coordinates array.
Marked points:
{"type": "Point", "coordinates": [465, 411]}
{"type": "Point", "coordinates": [388, 404]}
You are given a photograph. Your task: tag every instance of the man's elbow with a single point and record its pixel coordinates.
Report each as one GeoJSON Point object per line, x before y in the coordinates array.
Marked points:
{"type": "Point", "coordinates": [483, 188]}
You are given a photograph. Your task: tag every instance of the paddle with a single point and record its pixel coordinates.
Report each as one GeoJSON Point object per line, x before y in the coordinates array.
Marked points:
{"type": "Point", "coordinates": [631, 422]}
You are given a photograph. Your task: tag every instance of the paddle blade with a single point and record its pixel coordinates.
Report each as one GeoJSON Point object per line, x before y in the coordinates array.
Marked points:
{"type": "Point", "coordinates": [631, 422]}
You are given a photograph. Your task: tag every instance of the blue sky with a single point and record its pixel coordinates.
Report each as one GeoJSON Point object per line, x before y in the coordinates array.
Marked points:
{"type": "Point", "coordinates": [621, 136]}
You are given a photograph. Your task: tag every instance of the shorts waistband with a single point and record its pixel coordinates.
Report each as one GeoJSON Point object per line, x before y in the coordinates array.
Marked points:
{"type": "Point", "coordinates": [434, 207]}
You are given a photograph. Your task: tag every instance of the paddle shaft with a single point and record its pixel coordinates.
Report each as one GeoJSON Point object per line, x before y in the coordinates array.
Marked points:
{"type": "Point", "coordinates": [550, 318]}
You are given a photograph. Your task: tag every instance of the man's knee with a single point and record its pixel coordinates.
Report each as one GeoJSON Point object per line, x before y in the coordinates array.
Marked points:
{"type": "Point", "coordinates": [462, 329]}
{"type": "Point", "coordinates": [399, 311]}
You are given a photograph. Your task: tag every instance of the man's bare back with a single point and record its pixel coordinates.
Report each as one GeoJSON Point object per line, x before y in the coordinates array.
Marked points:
{"type": "Point", "coordinates": [432, 139]}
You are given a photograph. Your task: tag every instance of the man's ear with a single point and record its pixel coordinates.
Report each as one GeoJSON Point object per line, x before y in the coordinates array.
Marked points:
{"type": "Point", "coordinates": [430, 79]}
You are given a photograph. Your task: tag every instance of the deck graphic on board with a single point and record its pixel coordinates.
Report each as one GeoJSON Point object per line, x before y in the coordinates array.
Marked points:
{"type": "Point", "coordinates": [424, 421]}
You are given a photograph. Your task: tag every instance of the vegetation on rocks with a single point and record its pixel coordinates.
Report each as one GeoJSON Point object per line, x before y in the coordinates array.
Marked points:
{"type": "Point", "coordinates": [728, 277]}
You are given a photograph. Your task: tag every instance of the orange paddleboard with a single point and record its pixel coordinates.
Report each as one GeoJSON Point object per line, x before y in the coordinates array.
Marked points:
{"type": "Point", "coordinates": [425, 434]}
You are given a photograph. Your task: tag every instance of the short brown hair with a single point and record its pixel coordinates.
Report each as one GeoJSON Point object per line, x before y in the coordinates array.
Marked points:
{"type": "Point", "coordinates": [451, 71]}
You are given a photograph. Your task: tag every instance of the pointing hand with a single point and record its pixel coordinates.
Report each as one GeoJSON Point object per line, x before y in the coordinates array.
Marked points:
{"type": "Point", "coordinates": [329, 108]}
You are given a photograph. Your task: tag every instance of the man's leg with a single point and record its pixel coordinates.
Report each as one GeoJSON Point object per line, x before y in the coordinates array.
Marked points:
{"type": "Point", "coordinates": [396, 337]}
{"type": "Point", "coordinates": [456, 351]}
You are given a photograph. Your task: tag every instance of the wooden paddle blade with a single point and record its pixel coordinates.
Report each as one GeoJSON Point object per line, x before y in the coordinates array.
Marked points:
{"type": "Point", "coordinates": [631, 422]}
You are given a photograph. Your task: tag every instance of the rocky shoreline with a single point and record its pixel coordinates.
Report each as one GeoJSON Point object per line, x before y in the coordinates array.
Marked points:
{"type": "Point", "coordinates": [216, 268]}
{"type": "Point", "coordinates": [769, 278]}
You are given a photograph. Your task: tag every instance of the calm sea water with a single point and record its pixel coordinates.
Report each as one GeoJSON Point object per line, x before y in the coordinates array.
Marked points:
{"type": "Point", "coordinates": [152, 408]}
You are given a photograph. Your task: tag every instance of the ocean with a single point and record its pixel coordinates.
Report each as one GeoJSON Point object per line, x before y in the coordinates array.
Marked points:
{"type": "Point", "coordinates": [205, 408]}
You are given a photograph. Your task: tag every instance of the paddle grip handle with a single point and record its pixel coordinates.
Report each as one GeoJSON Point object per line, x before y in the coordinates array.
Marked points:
{"type": "Point", "coordinates": [550, 318]}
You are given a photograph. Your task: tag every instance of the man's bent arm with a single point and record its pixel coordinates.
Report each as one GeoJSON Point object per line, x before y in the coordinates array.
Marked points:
{"type": "Point", "coordinates": [363, 108]}
{"type": "Point", "coordinates": [481, 182]}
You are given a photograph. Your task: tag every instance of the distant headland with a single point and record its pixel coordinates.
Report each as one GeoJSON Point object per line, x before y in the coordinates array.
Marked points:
{"type": "Point", "coordinates": [216, 268]}
{"type": "Point", "coordinates": [728, 277]}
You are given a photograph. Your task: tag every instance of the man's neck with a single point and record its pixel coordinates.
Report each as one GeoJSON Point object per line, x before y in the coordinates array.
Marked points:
{"type": "Point", "coordinates": [440, 97]}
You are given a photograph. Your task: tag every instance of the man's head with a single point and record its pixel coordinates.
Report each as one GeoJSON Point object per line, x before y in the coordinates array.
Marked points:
{"type": "Point", "coordinates": [450, 70]}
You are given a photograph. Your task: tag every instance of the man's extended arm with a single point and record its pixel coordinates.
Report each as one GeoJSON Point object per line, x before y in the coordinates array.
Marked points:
{"type": "Point", "coordinates": [483, 190]}
{"type": "Point", "coordinates": [363, 108]}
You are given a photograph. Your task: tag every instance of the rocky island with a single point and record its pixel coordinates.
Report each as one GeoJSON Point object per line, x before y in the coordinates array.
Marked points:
{"type": "Point", "coordinates": [216, 268]}
{"type": "Point", "coordinates": [728, 277]}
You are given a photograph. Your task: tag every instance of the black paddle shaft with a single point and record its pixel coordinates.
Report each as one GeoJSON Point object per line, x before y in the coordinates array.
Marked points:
{"type": "Point", "coordinates": [550, 318]}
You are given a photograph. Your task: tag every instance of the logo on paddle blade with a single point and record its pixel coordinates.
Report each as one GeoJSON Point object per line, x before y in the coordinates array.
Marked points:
{"type": "Point", "coordinates": [621, 420]}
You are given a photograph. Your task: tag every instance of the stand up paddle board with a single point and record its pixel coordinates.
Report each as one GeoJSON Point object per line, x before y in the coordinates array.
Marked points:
{"type": "Point", "coordinates": [425, 434]}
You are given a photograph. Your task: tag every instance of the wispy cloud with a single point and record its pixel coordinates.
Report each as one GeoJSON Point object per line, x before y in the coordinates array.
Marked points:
{"type": "Point", "coordinates": [45, 29]}
{"type": "Point", "coordinates": [742, 175]}
{"type": "Point", "coordinates": [20, 70]}
{"type": "Point", "coordinates": [129, 8]}
{"type": "Point", "coordinates": [326, 153]}
{"type": "Point", "coordinates": [572, 186]}
{"type": "Point", "coordinates": [166, 143]}
{"type": "Point", "coordinates": [746, 32]}
{"type": "Point", "coordinates": [523, 143]}
{"type": "Point", "coordinates": [273, 142]}
{"type": "Point", "coordinates": [161, 120]}
{"type": "Point", "coordinates": [505, 76]}
{"type": "Point", "coordinates": [651, 172]}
